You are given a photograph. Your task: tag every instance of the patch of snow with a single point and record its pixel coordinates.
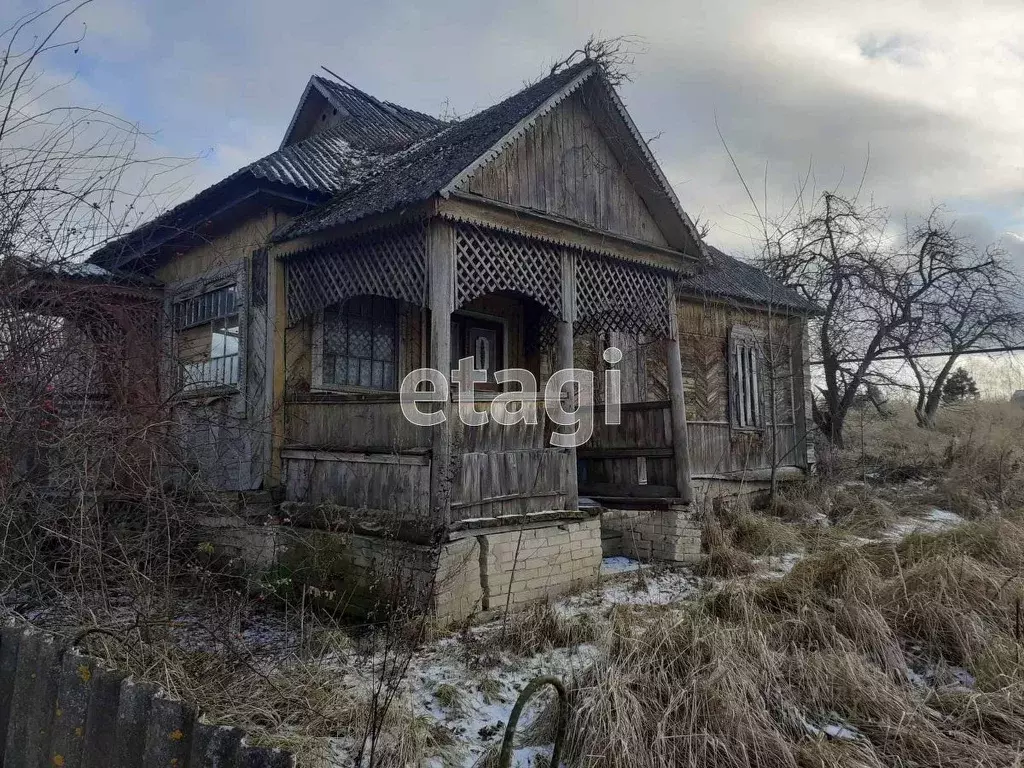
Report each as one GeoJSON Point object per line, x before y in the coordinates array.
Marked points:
{"type": "Point", "coordinates": [532, 757]}
{"type": "Point", "coordinates": [834, 729]}
{"type": "Point", "coordinates": [933, 521]}
{"type": "Point", "coordinates": [611, 566]}
{"type": "Point", "coordinates": [777, 567]}
{"type": "Point", "coordinates": [928, 674]}
{"type": "Point", "coordinates": [840, 732]}
{"type": "Point", "coordinates": [665, 588]}
{"type": "Point", "coordinates": [944, 517]}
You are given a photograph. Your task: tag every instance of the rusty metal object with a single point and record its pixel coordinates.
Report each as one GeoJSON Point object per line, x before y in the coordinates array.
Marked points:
{"type": "Point", "coordinates": [505, 757]}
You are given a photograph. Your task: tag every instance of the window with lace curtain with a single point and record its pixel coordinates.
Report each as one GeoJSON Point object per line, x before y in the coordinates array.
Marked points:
{"type": "Point", "coordinates": [359, 344]}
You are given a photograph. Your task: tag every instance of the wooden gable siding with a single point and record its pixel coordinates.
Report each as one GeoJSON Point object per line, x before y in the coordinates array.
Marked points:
{"type": "Point", "coordinates": [563, 165]}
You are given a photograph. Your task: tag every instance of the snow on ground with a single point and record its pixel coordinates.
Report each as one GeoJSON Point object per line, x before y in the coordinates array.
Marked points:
{"type": "Point", "coordinates": [485, 690]}
{"type": "Point", "coordinates": [933, 521]}
{"type": "Point", "coordinates": [633, 583]}
{"type": "Point", "coordinates": [613, 566]}
{"type": "Point", "coordinates": [466, 683]}
{"type": "Point", "coordinates": [778, 566]}
{"type": "Point", "coordinates": [477, 713]}
{"type": "Point", "coordinates": [463, 683]}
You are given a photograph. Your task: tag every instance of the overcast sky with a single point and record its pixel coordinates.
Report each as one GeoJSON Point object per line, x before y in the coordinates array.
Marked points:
{"type": "Point", "coordinates": [932, 91]}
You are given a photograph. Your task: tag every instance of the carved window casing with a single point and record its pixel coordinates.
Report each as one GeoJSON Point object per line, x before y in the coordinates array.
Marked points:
{"type": "Point", "coordinates": [746, 375]}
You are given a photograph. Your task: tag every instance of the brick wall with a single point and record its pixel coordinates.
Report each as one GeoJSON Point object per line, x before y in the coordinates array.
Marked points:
{"type": "Point", "coordinates": [671, 535]}
{"type": "Point", "coordinates": [552, 560]}
{"type": "Point", "coordinates": [369, 573]}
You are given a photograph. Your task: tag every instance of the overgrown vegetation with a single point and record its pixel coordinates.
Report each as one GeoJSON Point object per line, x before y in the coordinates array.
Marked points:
{"type": "Point", "coordinates": [905, 651]}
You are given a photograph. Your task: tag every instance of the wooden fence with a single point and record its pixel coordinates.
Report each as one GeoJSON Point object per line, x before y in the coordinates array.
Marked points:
{"type": "Point", "coordinates": [61, 709]}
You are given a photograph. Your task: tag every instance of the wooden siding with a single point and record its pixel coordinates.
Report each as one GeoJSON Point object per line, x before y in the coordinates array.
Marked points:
{"type": "Point", "coordinates": [221, 250]}
{"type": "Point", "coordinates": [563, 165]}
{"type": "Point", "coordinates": [703, 341]}
{"type": "Point", "coordinates": [715, 449]}
{"type": "Point", "coordinates": [509, 470]}
{"type": "Point", "coordinates": [225, 439]}
{"type": "Point", "coordinates": [612, 461]}
{"type": "Point", "coordinates": [361, 424]}
{"type": "Point", "coordinates": [393, 482]}
{"type": "Point", "coordinates": [618, 456]}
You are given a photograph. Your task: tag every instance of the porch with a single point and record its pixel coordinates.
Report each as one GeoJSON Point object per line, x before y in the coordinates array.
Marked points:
{"type": "Point", "coordinates": [344, 445]}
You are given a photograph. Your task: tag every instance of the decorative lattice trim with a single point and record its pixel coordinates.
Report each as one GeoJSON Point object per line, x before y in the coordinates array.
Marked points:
{"type": "Point", "coordinates": [488, 261]}
{"type": "Point", "coordinates": [613, 295]}
{"type": "Point", "coordinates": [390, 263]}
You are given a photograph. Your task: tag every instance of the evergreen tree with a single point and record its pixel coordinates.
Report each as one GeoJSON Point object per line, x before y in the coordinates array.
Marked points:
{"type": "Point", "coordinates": [960, 386]}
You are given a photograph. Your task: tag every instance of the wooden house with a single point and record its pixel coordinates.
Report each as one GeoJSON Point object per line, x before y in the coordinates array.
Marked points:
{"type": "Point", "coordinates": [301, 290]}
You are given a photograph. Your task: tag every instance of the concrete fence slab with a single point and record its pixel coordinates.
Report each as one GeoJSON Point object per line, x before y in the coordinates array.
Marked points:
{"type": "Point", "coordinates": [101, 722]}
{"type": "Point", "coordinates": [63, 709]}
{"type": "Point", "coordinates": [169, 734]}
{"type": "Point", "coordinates": [132, 723]}
{"type": "Point", "coordinates": [69, 717]}
{"type": "Point", "coordinates": [43, 704]}
{"type": "Point", "coordinates": [21, 714]}
{"type": "Point", "coordinates": [10, 640]}
{"type": "Point", "coordinates": [215, 746]}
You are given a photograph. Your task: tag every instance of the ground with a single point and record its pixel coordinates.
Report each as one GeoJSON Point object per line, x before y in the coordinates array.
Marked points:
{"type": "Point", "coordinates": [871, 618]}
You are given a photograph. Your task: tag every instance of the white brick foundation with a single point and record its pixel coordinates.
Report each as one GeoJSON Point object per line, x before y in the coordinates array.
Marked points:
{"type": "Point", "coordinates": [671, 535]}
{"type": "Point", "coordinates": [459, 578]}
{"type": "Point", "coordinates": [552, 560]}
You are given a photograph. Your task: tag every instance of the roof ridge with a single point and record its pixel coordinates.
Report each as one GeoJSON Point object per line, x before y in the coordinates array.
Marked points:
{"type": "Point", "coordinates": [392, 107]}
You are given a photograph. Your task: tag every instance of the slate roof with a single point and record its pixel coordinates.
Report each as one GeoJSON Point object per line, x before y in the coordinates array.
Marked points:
{"type": "Point", "coordinates": [384, 157]}
{"type": "Point", "coordinates": [372, 124]}
{"type": "Point", "coordinates": [423, 169]}
{"type": "Point", "coordinates": [727, 277]}
{"type": "Point", "coordinates": [323, 164]}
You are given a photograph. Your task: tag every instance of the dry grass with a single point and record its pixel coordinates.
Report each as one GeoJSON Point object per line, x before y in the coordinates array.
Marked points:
{"type": "Point", "coordinates": [540, 628]}
{"type": "Point", "coordinates": [753, 674]}
{"type": "Point", "coordinates": [765, 536]}
{"type": "Point", "coordinates": [299, 705]}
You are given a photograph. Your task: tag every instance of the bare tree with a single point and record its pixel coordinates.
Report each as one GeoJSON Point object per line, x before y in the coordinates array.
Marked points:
{"type": "Point", "coordinates": [883, 296]}
{"type": "Point", "coordinates": [975, 302]}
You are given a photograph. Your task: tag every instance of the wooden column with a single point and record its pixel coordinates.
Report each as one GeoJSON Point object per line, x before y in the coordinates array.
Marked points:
{"type": "Point", "coordinates": [274, 393]}
{"type": "Point", "coordinates": [565, 358]}
{"type": "Point", "coordinates": [801, 384]}
{"type": "Point", "coordinates": [441, 300]}
{"type": "Point", "coordinates": [677, 398]}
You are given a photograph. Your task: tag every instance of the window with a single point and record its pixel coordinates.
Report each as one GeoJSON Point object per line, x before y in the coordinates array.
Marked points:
{"type": "Point", "coordinates": [483, 340]}
{"type": "Point", "coordinates": [360, 344]}
{"type": "Point", "coordinates": [745, 377]}
{"type": "Point", "coordinates": [207, 339]}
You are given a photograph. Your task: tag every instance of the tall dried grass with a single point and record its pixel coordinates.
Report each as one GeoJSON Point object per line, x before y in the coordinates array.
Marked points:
{"type": "Point", "coordinates": [755, 674]}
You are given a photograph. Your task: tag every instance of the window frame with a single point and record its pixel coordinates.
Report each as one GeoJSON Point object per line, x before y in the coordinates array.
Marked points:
{"type": "Point", "coordinates": [234, 275]}
{"type": "Point", "coordinates": [318, 384]}
{"type": "Point", "coordinates": [746, 346]}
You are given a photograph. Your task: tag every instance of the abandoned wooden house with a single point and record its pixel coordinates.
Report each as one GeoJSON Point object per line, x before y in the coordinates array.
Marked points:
{"type": "Point", "coordinates": [299, 292]}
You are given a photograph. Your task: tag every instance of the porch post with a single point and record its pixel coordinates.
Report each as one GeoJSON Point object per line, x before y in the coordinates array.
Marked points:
{"type": "Point", "coordinates": [565, 358]}
{"type": "Point", "coordinates": [680, 438]}
{"type": "Point", "coordinates": [441, 287]}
